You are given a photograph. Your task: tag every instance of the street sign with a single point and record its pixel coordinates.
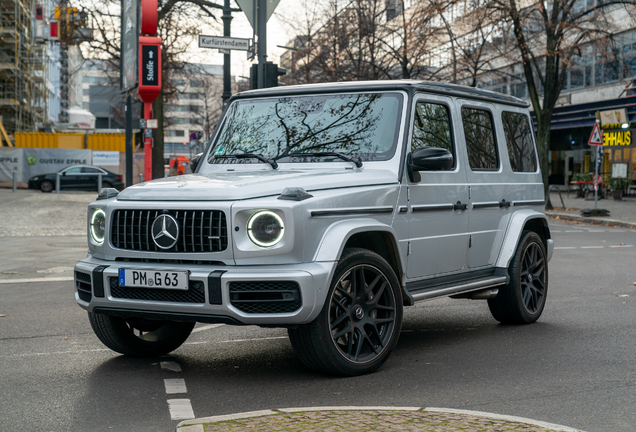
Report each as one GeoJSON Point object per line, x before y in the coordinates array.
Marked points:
{"type": "Point", "coordinates": [152, 123]}
{"type": "Point", "coordinates": [224, 43]}
{"type": "Point", "coordinates": [596, 139]}
{"type": "Point", "coordinates": [250, 11]}
{"type": "Point", "coordinates": [149, 68]}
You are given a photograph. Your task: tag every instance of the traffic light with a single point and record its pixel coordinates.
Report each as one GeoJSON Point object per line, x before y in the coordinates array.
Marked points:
{"type": "Point", "coordinates": [272, 72]}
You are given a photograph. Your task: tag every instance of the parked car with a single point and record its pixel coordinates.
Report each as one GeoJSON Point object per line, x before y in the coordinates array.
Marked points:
{"type": "Point", "coordinates": [325, 209]}
{"type": "Point", "coordinates": [77, 177]}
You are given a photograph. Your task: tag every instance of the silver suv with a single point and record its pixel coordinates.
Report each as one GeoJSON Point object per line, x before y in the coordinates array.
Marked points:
{"type": "Point", "coordinates": [326, 209]}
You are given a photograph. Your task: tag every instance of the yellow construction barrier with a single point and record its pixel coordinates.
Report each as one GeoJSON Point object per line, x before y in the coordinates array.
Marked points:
{"type": "Point", "coordinates": [104, 142]}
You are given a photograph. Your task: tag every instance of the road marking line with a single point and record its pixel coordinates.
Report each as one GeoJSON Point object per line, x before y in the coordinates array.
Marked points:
{"type": "Point", "coordinates": [573, 231]}
{"type": "Point", "coordinates": [621, 246]}
{"type": "Point", "coordinates": [171, 366]}
{"type": "Point", "coordinates": [592, 247]}
{"type": "Point", "coordinates": [207, 327]}
{"type": "Point", "coordinates": [175, 385]}
{"type": "Point", "coordinates": [56, 352]}
{"type": "Point", "coordinates": [30, 280]}
{"type": "Point", "coordinates": [596, 230]}
{"type": "Point", "coordinates": [555, 230]}
{"type": "Point", "coordinates": [564, 247]}
{"type": "Point", "coordinates": [180, 409]}
{"type": "Point", "coordinates": [255, 339]}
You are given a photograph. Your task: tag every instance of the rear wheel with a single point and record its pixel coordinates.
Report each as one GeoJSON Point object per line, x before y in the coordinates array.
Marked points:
{"type": "Point", "coordinates": [46, 186]}
{"type": "Point", "coordinates": [139, 337]}
{"type": "Point", "coordinates": [359, 324]}
{"type": "Point", "coordinates": [523, 299]}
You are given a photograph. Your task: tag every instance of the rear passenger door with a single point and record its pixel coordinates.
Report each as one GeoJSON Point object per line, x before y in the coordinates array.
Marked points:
{"type": "Point", "coordinates": [488, 184]}
{"type": "Point", "coordinates": [437, 219]}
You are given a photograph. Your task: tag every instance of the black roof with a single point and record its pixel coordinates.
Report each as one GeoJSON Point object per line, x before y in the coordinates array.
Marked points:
{"type": "Point", "coordinates": [407, 85]}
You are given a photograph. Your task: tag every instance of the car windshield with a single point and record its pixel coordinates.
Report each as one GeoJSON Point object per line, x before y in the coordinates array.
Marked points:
{"type": "Point", "coordinates": [362, 126]}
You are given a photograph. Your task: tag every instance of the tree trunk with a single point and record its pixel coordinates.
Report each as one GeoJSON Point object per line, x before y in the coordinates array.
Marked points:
{"type": "Point", "coordinates": [157, 148]}
{"type": "Point", "coordinates": [543, 144]}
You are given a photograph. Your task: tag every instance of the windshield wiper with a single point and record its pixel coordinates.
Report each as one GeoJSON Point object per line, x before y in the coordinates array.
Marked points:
{"type": "Point", "coordinates": [356, 161]}
{"type": "Point", "coordinates": [249, 156]}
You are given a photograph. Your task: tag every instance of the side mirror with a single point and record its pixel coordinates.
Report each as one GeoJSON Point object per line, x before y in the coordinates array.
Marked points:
{"type": "Point", "coordinates": [194, 162]}
{"type": "Point", "coordinates": [428, 159]}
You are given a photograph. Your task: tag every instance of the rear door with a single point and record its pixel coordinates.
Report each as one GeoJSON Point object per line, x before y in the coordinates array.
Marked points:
{"type": "Point", "coordinates": [488, 182]}
{"type": "Point", "coordinates": [71, 178]}
{"type": "Point", "coordinates": [437, 226]}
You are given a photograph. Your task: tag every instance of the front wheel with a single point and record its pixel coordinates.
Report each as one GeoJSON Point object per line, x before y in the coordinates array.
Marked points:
{"type": "Point", "coordinates": [359, 324]}
{"type": "Point", "coordinates": [523, 299]}
{"type": "Point", "coordinates": [46, 186]}
{"type": "Point", "coordinates": [139, 337]}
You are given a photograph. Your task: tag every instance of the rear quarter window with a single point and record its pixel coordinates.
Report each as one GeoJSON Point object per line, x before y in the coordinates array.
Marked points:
{"type": "Point", "coordinates": [519, 142]}
{"type": "Point", "coordinates": [480, 139]}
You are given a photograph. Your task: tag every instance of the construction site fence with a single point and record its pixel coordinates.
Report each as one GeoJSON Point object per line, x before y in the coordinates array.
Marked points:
{"type": "Point", "coordinates": [77, 141]}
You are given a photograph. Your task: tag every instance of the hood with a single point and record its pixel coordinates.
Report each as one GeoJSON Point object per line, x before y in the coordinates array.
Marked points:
{"type": "Point", "coordinates": [252, 184]}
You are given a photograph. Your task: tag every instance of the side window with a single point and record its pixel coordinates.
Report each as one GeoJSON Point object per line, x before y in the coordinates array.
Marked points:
{"type": "Point", "coordinates": [74, 170]}
{"type": "Point", "coordinates": [432, 127]}
{"type": "Point", "coordinates": [519, 142]}
{"type": "Point", "coordinates": [480, 139]}
{"type": "Point", "coordinates": [87, 170]}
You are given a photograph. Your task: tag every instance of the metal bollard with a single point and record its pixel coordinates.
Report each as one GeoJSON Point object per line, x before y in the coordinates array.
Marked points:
{"type": "Point", "coordinates": [141, 178]}
{"type": "Point", "coordinates": [15, 181]}
{"type": "Point", "coordinates": [99, 182]}
{"type": "Point", "coordinates": [57, 183]}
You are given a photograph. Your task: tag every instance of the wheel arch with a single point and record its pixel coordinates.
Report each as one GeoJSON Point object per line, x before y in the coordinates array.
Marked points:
{"type": "Point", "coordinates": [363, 233]}
{"type": "Point", "coordinates": [531, 220]}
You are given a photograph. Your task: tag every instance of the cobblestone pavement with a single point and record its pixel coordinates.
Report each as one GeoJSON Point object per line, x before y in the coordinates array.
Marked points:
{"type": "Point", "coordinates": [369, 420]}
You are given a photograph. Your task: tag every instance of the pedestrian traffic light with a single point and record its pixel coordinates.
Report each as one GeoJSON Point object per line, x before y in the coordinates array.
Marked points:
{"type": "Point", "coordinates": [272, 72]}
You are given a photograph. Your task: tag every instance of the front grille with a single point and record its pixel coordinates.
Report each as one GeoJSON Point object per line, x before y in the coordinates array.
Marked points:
{"type": "Point", "coordinates": [199, 230]}
{"type": "Point", "coordinates": [265, 297]}
{"type": "Point", "coordinates": [194, 294]}
{"type": "Point", "coordinates": [83, 286]}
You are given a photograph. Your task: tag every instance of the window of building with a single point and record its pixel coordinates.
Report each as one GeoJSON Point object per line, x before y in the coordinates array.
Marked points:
{"type": "Point", "coordinates": [196, 83]}
{"type": "Point", "coordinates": [519, 142]}
{"type": "Point", "coordinates": [174, 133]}
{"type": "Point", "coordinates": [480, 139]}
{"type": "Point", "coordinates": [178, 82]}
{"type": "Point", "coordinates": [432, 128]}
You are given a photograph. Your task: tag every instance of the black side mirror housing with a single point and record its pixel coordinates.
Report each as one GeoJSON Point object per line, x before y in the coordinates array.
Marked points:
{"type": "Point", "coordinates": [428, 159]}
{"type": "Point", "coordinates": [194, 162]}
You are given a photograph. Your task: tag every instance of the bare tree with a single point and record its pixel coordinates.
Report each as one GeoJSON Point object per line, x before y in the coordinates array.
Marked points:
{"type": "Point", "coordinates": [548, 37]}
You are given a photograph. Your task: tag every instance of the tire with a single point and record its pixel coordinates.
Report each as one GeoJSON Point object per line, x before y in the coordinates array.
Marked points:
{"type": "Point", "coordinates": [46, 186]}
{"type": "Point", "coordinates": [523, 299]}
{"type": "Point", "coordinates": [364, 309]}
{"type": "Point", "coordinates": [138, 337]}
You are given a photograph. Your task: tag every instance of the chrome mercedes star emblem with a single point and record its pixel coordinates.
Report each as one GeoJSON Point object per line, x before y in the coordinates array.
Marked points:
{"type": "Point", "coordinates": [165, 231]}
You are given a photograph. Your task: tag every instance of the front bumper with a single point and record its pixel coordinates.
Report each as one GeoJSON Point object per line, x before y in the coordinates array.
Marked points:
{"type": "Point", "coordinates": [212, 296]}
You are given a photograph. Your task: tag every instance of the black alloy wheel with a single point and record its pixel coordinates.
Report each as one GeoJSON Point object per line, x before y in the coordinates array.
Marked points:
{"type": "Point", "coordinates": [362, 314]}
{"type": "Point", "coordinates": [360, 322]}
{"type": "Point", "coordinates": [522, 301]}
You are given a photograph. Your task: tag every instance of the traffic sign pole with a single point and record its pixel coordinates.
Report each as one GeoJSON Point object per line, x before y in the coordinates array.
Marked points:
{"type": "Point", "coordinates": [596, 139]}
{"type": "Point", "coordinates": [227, 82]}
{"type": "Point", "coordinates": [261, 29]}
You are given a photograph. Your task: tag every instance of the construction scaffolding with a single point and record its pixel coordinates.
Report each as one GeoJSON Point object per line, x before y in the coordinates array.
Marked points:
{"type": "Point", "coordinates": [22, 68]}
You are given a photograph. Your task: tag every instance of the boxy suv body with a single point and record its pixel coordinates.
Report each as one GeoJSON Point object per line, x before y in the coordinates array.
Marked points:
{"type": "Point", "coordinates": [325, 209]}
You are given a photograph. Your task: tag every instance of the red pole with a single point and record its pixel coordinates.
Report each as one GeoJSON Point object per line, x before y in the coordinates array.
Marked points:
{"type": "Point", "coordinates": [147, 146]}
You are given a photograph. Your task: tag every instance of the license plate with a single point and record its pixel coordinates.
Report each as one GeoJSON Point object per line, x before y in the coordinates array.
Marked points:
{"type": "Point", "coordinates": [154, 279]}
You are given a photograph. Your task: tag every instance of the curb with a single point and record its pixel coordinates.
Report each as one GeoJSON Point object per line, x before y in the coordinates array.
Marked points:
{"type": "Point", "coordinates": [590, 220]}
{"type": "Point", "coordinates": [196, 425]}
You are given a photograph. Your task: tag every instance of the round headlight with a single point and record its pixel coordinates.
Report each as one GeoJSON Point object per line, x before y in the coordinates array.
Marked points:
{"type": "Point", "coordinates": [98, 226]}
{"type": "Point", "coordinates": [265, 228]}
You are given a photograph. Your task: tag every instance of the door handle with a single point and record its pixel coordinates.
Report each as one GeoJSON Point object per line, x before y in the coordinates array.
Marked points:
{"type": "Point", "coordinates": [460, 206]}
{"type": "Point", "coordinates": [504, 203]}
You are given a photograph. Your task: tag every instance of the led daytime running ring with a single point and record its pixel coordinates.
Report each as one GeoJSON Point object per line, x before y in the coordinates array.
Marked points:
{"type": "Point", "coordinates": [250, 224]}
{"type": "Point", "coordinates": [94, 235]}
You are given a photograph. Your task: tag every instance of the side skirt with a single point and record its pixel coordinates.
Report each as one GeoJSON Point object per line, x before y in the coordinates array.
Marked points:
{"type": "Point", "coordinates": [458, 286]}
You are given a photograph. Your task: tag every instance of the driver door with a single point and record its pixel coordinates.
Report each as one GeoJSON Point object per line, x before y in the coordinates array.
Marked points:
{"type": "Point", "coordinates": [437, 221]}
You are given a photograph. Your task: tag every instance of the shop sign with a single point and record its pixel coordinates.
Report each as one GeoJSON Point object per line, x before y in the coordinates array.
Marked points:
{"type": "Point", "coordinates": [619, 138]}
{"type": "Point", "coordinates": [613, 117]}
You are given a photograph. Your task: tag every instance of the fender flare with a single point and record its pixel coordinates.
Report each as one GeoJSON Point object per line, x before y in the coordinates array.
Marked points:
{"type": "Point", "coordinates": [337, 234]}
{"type": "Point", "coordinates": [513, 235]}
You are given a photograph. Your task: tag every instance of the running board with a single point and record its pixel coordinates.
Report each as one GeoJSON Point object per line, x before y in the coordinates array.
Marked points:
{"type": "Point", "coordinates": [451, 290]}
